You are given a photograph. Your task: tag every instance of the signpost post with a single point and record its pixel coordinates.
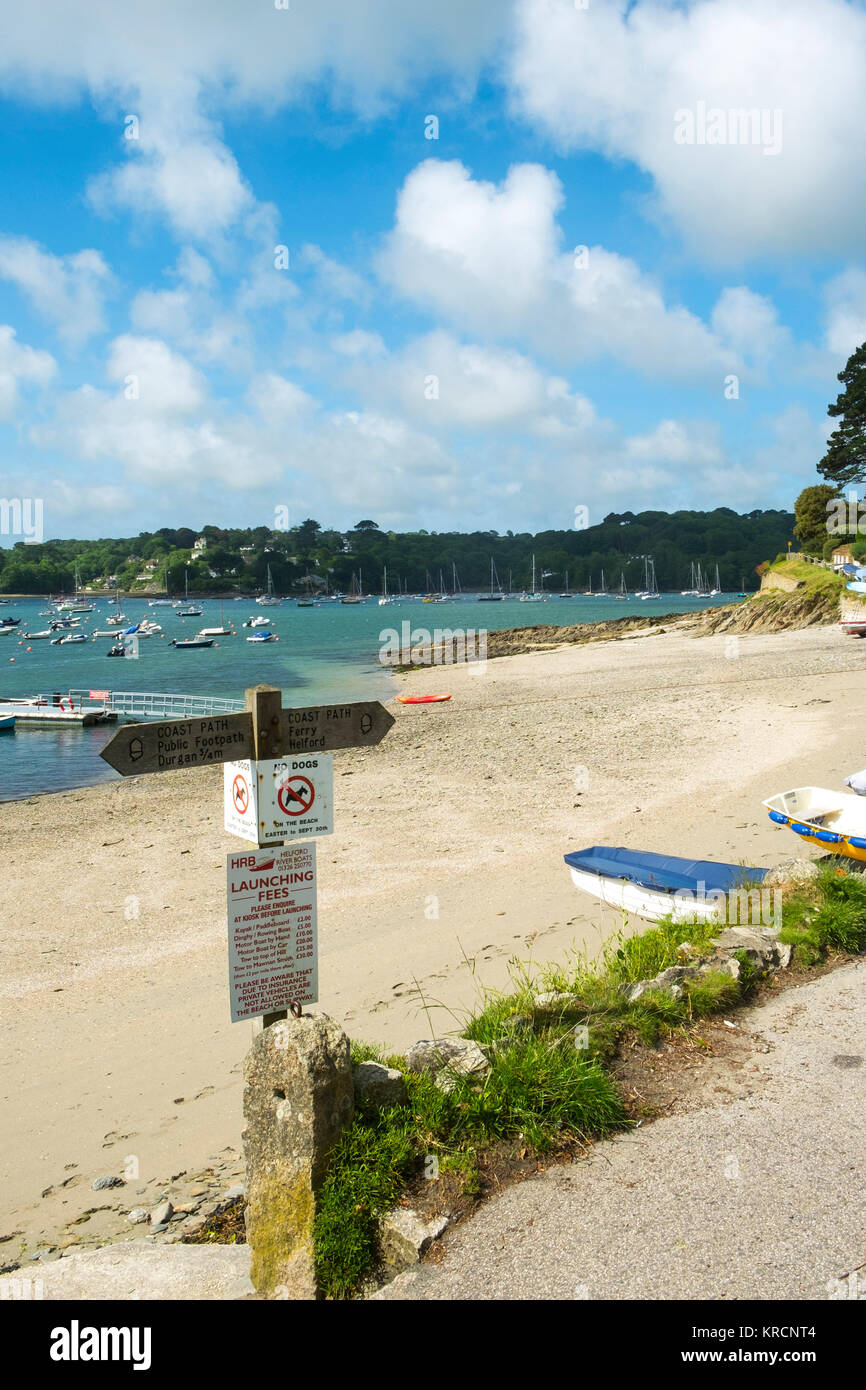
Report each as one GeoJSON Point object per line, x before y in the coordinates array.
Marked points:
{"type": "Point", "coordinates": [278, 781]}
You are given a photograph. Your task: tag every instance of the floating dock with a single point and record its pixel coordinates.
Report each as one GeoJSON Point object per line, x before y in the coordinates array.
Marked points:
{"type": "Point", "coordinates": [44, 713]}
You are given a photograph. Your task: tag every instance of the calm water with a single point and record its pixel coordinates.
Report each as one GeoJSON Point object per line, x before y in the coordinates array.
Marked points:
{"type": "Point", "coordinates": [326, 653]}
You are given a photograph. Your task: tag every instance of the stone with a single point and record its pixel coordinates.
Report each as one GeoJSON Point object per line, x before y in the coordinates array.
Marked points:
{"type": "Point", "coordinates": [434, 1054]}
{"type": "Point", "coordinates": [378, 1087]}
{"type": "Point", "coordinates": [405, 1236]}
{"type": "Point", "coordinates": [556, 999]}
{"type": "Point", "coordinates": [141, 1270]}
{"type": "Point", "coordinates": [790, 872]}
{"type": "Point", "coordinates": [161, 1213]}
{"type": "Point", "coordinates": [109, 1181]}
{"type": "Point", "coordinates": [138, 1215]}
{"type": "Point", "coordinates": [785, 951]}
{"type": "Point", "coordinates": [298, 1097]}
{"type": "Point", "coordinates": [236, 1193]}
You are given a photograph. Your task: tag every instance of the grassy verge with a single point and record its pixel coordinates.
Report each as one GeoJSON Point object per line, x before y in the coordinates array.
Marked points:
{"type": "Point", "coordinates": [549, 1088]}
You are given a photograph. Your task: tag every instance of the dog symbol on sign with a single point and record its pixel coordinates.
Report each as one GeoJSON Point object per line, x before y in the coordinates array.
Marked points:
{"type": "Point", "coordinates": [296, 796]}
{"type": "Point", "coordinates": [240, 795]}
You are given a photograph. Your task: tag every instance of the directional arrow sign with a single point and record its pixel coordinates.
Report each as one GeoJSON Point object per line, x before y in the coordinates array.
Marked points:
{"type": "Point", "coordinates": [321, 728]}
{"type": "Point", "coordinates": [170, 744]}
{"type": "Point", "coordinates": [165, 746]}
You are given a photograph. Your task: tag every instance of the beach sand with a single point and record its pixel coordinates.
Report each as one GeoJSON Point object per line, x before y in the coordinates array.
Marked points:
{"type": "Point", "coordinates": [446, 862]}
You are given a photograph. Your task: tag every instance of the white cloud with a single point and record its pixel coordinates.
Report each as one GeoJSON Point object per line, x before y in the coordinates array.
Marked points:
{"type": "Point", "coordinates": [171, 70]}
{"type": "Point", "coordinates": [611, 77]}
{"type": "Point", "coordinates": [20, 365]}
{"type": "Point", "coordinates": [444, 384]}
{"type": "Point", "coordinates": [490, 260]}
{"type": "Point", "coordinates": [68, 291]}
{"type": "Point", "coordinates": [333, 278]}
{"type": "Point", "coordinates": [845, 300]}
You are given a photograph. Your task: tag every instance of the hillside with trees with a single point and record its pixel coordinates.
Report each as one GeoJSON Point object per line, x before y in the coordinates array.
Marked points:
{"type": "Point", "coordinates": [311, 558]}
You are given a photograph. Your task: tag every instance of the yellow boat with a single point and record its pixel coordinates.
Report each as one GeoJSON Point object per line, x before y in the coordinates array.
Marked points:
{"type": "Point", "coordinates": [834, 819]}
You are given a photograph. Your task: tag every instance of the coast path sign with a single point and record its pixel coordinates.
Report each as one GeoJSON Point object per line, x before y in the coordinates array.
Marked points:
{"type": "Point", "coordinates": [278, 787]}
{"type": "Point", "coordinates": [168, 745]}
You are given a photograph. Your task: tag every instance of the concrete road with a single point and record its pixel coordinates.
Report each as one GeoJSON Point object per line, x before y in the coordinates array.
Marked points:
{"type": "Point", "coordinates": [760, 1197]}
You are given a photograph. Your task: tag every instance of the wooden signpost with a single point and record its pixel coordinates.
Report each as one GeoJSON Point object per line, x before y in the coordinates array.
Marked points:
{"type": "Point", "coordinates": [264, 734]}
{"type": "Point", "coordinates": [265, 730]}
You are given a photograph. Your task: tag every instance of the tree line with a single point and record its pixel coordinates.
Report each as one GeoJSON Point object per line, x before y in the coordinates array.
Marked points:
{"type": "Point", "coordinates": [311, 558]}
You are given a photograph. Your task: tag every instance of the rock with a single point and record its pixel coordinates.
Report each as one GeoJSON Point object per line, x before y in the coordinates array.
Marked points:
{"type": "Point", "coordinates": [791, 872]}
{"type": "Point", "coordinates": [236, 1193]}
{"type": "Point", "coordinates": [405, 1236]}
{"type": "Point", "coordinates": [138, 1269]}
{"type": "Point", "coordinates": [377, 1087]}
{"type": "Point", "coordinates": [556, 999]}
{"type": "Point", "coordinates": [298, 1097]}
{"type": "Point", "coordinates": [162, 1226]}
{"type": "Point", "coordinates": [138, 1215]}
{"type": "Point", "coordinates": [760, 946]}
{"type": "Point", "coordinates": [784, 951]}
{"type": "Point", "coordinates": [669, 980]}
{"type": "Point", "coordinates": [457, 1054]}
{"type": "Point", "coordinates": [161, 1213]}
{"type": "Point", "coordinates": [109, 1181]}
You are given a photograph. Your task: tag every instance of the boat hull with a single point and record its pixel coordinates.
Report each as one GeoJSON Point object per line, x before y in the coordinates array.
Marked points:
{"type": "Point", "coordinates": [653, 886]}
{"type": "Point", "coordinates": [833, 821]}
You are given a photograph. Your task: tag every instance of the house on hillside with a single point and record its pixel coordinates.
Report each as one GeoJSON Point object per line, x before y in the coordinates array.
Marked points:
{"type": "Point", "coordinates": [842, 555]}
{"type": "Point", "coordinates": [199, 547]}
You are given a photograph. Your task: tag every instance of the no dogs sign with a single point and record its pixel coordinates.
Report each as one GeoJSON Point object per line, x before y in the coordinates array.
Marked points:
{"type": "Point", "coordinates": [278, 799]}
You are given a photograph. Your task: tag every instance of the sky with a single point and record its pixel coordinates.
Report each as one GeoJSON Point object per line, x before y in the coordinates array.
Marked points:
{"type": "Point", "coordinates": [512, 264]}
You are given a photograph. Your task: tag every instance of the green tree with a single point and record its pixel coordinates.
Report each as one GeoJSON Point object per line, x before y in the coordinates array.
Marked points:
{"type": "Point", "coordinates": [845, 459]}
{"type": "Point", "coordinates": [810, 512]}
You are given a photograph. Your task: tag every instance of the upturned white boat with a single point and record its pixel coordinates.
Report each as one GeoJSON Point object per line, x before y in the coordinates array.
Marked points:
{"type": "Point", "coordinates": [835, 819]}
{"type": "Point", "coordinates": [657, 885]}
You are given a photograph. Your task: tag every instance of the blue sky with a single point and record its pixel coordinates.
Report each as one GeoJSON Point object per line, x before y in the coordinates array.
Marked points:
{"type": "Point", "coordinates": [436, 353]}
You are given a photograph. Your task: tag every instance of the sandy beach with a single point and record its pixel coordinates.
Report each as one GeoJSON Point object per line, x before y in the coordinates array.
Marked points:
{"type": "Point", "coordinates": [445, 863]}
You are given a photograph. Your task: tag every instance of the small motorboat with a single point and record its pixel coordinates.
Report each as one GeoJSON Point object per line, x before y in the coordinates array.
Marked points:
{"type": "Point", "coordinates": [186, 643]}
{"type": "Point", "coordinates": [853, 627]}
{"type": "Point", "coordinates": [7, 723]}
{"type": "Point", "coordinates": [656, 885]}
{"type": "Point", "coordinates": [261, 637]}
{"type": "Point", "coordinates": [260, 621]}
{"type": "Point", "coordinates": [73, 637]}
{"type": "Point", "coordinates": [116, 650]}
{"type": "Point", "coordinates": [836, 819]}
{"type": "Point", "coordinates": [46, 635]}
{"type": "Point", "coordinates": [9, 622]}
{"type": "Point", "coordinates": [189, 612]}
{"type": "Point", "coordinates": [421, 699]}
{"type": "Point", "coordinates": [6, 629]}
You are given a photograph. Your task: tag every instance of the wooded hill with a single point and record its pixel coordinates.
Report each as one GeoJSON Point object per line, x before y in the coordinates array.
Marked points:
{"type": "Point", "coordinates": [306, 557]}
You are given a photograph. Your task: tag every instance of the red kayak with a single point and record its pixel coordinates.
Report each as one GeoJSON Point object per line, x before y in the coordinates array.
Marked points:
{"type": "Point", "coordinates": [421, 699]}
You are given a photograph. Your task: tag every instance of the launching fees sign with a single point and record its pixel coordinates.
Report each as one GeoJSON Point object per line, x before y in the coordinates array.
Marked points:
{"type": "Point", "coordinates": [273, 946]}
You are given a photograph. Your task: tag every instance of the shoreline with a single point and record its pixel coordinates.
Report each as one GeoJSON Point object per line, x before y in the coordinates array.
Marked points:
{"type": "Point", "coordinates": [446, 862]}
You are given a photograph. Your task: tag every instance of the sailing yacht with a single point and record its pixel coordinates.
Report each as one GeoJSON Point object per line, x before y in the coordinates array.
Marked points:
{"type": "Point", "coordinates": [533, 596]}
{"type": "Point", "coordinates": [355, 596]}
{"type": "Point", "coordinates": [386, 598]}
{"type": "Point", "coordinates": [78, 603]}
{"type": "Point", "coordinates": [622, 591]}
{"type": "Point", "coordinates": [587, 593]}
{"type": "Point", "coordinates": [269, 599]}
{"type": "Point", "coordinates": [718, 588]}
{"type": "Point", "coordinates": [494, 579]}
{"type": "Point", "coordinates": [603, 593]}
{"type": "Point", "coordinates": [567, 592]}
{"type": "Point", "coordinates": [652, 588]}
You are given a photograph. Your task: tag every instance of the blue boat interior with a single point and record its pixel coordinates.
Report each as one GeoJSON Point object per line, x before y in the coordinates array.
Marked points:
{"type": "Point", "coordinates": [662, 872]}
